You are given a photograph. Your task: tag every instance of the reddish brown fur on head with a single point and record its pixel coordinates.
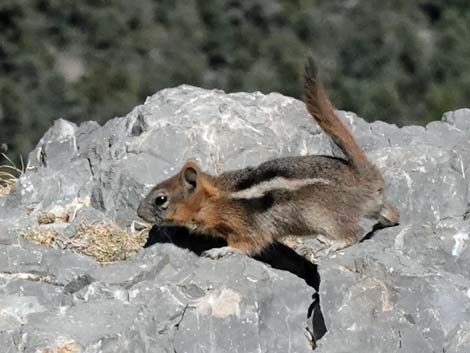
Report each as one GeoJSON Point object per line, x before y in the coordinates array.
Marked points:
{"type": "Point", "coordinates": [181, 199]}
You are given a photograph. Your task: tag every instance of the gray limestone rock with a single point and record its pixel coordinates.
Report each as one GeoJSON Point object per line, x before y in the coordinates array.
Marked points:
{"type": "Point", "coordinates": [406, 289]}
{"type": "Point", "coordinates": [165, 300]}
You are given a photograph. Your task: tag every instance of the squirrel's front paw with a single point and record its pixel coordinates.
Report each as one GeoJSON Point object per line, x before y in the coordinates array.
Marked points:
{"type": "Point", "coordinates": [218, 253]}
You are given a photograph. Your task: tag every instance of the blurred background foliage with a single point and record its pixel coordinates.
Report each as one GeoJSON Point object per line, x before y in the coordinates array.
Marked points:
{"type": "Point", "coordinates": [402, 61]}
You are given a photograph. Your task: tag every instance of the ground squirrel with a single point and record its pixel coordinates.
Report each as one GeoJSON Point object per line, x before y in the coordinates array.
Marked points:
{"type": "Point", "coordinates": [330, 197]}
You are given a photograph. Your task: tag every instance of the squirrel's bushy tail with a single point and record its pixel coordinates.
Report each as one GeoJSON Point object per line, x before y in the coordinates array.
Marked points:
{"type": "Point", "coordinates": [322, 110]}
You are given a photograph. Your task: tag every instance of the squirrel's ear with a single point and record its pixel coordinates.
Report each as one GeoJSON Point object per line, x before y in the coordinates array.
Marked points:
{"type": "Point", "coordinates": [189, 176]}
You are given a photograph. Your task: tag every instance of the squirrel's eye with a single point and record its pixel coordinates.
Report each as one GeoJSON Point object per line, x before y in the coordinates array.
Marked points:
{"type": "Point", "coordinates": [160, 200]}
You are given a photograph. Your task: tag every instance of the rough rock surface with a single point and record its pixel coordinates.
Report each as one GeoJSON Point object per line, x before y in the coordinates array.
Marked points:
{"type": "Point", "coordinates": [406, 289]}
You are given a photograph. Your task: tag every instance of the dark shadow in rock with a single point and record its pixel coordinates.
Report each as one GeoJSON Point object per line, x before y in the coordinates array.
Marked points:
{"type": "Point", "coordinates": [181, 237]}
{"type": "Point", "coordinates": [376, 228]}
{"type": "Point", "coordinates": [281, 257]}
{"type": "Point", "coordinates": [278, 256]}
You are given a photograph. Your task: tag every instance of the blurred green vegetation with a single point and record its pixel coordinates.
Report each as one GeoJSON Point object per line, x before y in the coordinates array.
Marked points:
{"type": "Point", "coordinates": [401, 61]}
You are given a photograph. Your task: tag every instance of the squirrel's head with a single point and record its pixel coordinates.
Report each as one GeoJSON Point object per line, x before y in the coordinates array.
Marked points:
{"type": "Point", "coordinates": [178, 200]}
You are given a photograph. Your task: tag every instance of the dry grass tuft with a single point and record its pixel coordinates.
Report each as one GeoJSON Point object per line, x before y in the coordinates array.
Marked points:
{"type": "Point", "coordinates": [43, 236]}
{"type": "Point", "coordinates": [105, 242]}
{"type": "Point", "coordinates": [9, 174]}
{"type": "Point", "coordinates": [46, 218]}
